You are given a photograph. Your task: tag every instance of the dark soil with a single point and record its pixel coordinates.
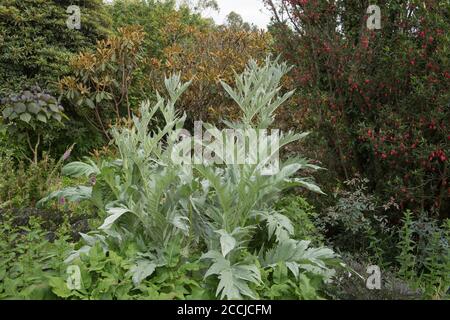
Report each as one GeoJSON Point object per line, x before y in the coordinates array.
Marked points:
{"type": "Point", "coordinates": [51, 220]}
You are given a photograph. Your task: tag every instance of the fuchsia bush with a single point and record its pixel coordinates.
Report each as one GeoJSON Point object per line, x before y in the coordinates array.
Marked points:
{"type": "Point", "coordinates": [378, 99]}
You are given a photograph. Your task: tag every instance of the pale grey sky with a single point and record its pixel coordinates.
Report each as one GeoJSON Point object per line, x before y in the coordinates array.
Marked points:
{"type": "Point", "coordinates": [252, 11]}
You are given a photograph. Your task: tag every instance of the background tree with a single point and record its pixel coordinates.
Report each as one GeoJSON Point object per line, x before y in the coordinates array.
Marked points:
{"type": "Point", "coordinates": [199, 6]}
{"type": "Point", "coordinates": [35, 42]}
{"type": "Point", "coordinates": [101, 81]}
{"type": "Point", "coordinates": [234, 20]}
{"type": "Point", "coordinates": [154, 16]}
{"type": "Point", "coordinates": [377, 100]}
{"type": "Point", "coordinates": [29, 117]}
{"type": "Point", "coordinates": [206, 57]}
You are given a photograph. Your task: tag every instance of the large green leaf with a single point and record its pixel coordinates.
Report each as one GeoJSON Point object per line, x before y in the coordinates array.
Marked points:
{"type": "Point", "coordinates": [233, 279]}
{"type": "Point", "coordinates": [71, 194]}
{"type": "Point", "coordinates": [20, 108]}
{"type": "Point", "coordinates": [78, 169]}
{"type": "Point", "coordinates": [7, 112]}
{"type": "Point", "coordinates": [298, 255]}
{"type": "Point", "coordinates": [57, 117]}
{"type": "Point", "coordinates": [25, 117]}
{"type": "Point", "coordinates": [54, 108]}
{"type": "Point", "coordinates": [42, 117]}
{"type": "Point", "coordinates": [114, 214]}
{"type": "Point", "coordinates": [33, 108]}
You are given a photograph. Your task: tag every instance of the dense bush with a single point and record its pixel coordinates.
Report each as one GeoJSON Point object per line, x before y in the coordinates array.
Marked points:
{"type": "Point", "coordinates": [101, 80]}
{"type": "Point", "coordinates": [207, 57]}
{"type": "Point", "coordinates": [36, 43]}
{"type": "Point", "coordinates": [163, 24]}
{"type": "Point", "coordinates": [23, 184]}
{"type": "Point", "coordinates": [28, 259]}
{"type": "Point", "coordinates": [352, 286]}
{"type": "Point", "coordinates": [30, 118]}
{"type": "Point", "coordinates": [35, 46]}
{"type": "Point", "coordinates": [302, 214]}
{"type": "Point", "coordinates": [357, 222]}
{"type": "Point", "coordinates": [101, 86]}
{"type": "Point", "coordinates": [377, 100]}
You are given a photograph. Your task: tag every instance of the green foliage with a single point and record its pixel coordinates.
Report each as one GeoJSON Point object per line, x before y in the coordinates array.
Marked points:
{"type": "Point", "coordinates": [8, 149]}
{"type": "Point", "coordinates": [30, 117]}
{"type": "Point", "coordinates": [350, 283]}
{"type": "Point", "coordinates": [297, 270]}
{"type": "Point", "coordinates": [435, 276]}
{"type": "Point", "coordinates": [154, 17]}
{"type": "Point", "coordinates": [36, 43]}
{"type": "Point", "coordinates": [79, 132]}
{"type": "Point", "coordinates": [146, 198]}
{"type": "Point", "coordinates": [108, 276]}
{"type": "Point", "coordinates": [428, 270]}
{"type": "Point", "coordinates": [303, 216]}
{"type": "Point", "coordinates": [406, 245]}
{"type": "Point", "coordinates": [257, 93]}
{"type": "Point", "coordinates": [166, 27]}
{"type": "Point", "coordinates": [279, 284]}
{"type": "Point", "coordinates": [36, 46]}
{"type": "Point", "coordinates": [101, 80]}
{"type": "Point", "coordinates": [28, 259]}
{"type": "Point", "coordinates": [206, 56]}
{"type": "Point", "coordinates": [32, 103]}
{"type": "Point", "coordinates": [234, 279]}
{"type": "Point", "coordinates": [235, 21]}
{"type": "Point", "coordinates": [357, 223]}
{"type": "Point", "coordinates": [23, 184]}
